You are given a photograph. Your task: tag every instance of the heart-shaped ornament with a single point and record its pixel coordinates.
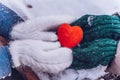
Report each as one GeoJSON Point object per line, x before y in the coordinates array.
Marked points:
{"type": "Point", "coordinates": [70, 36]}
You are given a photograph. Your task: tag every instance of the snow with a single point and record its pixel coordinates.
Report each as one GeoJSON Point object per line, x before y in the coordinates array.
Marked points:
{"type": "Point", "coordinates": [76, 8]}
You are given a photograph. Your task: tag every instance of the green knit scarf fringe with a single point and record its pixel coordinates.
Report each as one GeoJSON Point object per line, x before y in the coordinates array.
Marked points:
{"type": "Point", "coordinates": [98, 47]}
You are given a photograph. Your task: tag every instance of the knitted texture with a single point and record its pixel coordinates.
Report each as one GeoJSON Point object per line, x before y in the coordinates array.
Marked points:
{"type": "Point", "coordinates": [99, 44]}
{"type": "Point", "coordinates": [92, 54]}
{"type": "Point", "coordinates": [8, 19]}
{"type": "Point", "coordinates": [99, 26]}
{"type": "Point", "coordinates": [5, 62]}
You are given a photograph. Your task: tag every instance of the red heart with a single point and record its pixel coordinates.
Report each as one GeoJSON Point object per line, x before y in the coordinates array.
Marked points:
{"type": "Point", "coordinates": [69, 36]}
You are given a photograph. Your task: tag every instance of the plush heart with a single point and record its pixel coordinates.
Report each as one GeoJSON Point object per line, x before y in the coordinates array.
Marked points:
{"type": "Point", "coordinates": [70, 36]}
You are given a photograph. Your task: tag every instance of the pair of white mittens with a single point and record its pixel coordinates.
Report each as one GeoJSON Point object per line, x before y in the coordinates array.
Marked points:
{"type": "Point", "coordinates": [36, 46]}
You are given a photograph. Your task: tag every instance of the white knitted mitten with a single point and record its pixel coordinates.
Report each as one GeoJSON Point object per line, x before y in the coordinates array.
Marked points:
{"type": "Point", "coordinates": [40, 56]}
{"type": "Point", "coordinates": [40, 28]}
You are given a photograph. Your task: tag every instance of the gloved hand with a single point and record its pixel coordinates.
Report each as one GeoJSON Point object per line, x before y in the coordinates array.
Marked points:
{"type": "Point", "coordinates": [35, 29]}
{"type": "Point", "coordinates": [100, 25]}
{"type": "Point", "coordinates": [40, 56]}
{"type": "Point", "coordinates": [90, 59]}
{"type": "Point", "coordinates": [91, 54]}
{"type": "Point", "coordinates": [50, 57]}
{"type": "Point", "coordinates": [30, 29]}
{"type": "Point", "coordinates": [41, 28]}
{"type": "Point", "coordinates": [96, 27]}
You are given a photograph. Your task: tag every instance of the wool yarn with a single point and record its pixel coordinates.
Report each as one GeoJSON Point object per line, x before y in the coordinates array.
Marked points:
{"type": "Point", "coordinates": [99, 44]}
{"type": "Point", "coordinates": [99, 26]}
{"type": "Point", "coordinates": [91, 54]}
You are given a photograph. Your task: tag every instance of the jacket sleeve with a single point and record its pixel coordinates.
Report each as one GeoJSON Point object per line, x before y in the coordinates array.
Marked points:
{"type": "Point", "coordinates": [5, 62]}
{"type": "Point", "coordinates": [8, 19]}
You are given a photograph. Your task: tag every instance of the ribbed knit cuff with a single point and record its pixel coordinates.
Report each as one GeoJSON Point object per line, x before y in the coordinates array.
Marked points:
{"type": "Point", "coordinates": [115, 65]}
